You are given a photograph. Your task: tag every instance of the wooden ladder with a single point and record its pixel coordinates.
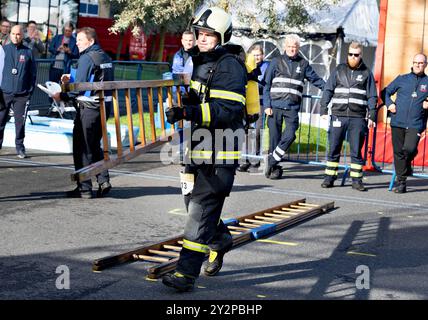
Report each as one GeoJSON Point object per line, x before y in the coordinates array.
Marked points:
{"type": "Point", "coordinates": [243, 229]}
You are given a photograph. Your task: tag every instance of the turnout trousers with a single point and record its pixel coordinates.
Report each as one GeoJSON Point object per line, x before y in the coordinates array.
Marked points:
{"type": "Point", "coordinates": [405, 144]}
{"type": "Point", "coordinates": [204, 230]}
{"type": "Point", "coordinates": [18, 103]}
{"type": "Point", "coordinates": [87, 134]}
{"type": "Point", "coordinates": [280, 142]}
{"type": "Point", "coordinates": [355, 129]}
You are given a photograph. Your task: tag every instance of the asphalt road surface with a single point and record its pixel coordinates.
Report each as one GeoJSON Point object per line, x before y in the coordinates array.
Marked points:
{"type": "Point", "coordinates": [372, 246]}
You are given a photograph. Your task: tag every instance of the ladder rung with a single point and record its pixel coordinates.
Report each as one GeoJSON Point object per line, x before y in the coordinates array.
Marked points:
{"type": "Point", "coordinates": [289, 211]}
{"type": "Point", "coordinates": [165, 253]}
{"type": "Point", "coordinates": [307, 204]}
{"type": "Point", "coordinates": [277, 215]}
{"type": "Point", "coordinates": [257, 221]}
{"type": "Point", "coordinates": [150, 258]}
{"type": "Point", "coordinates": [249, 225]}
{"type": "Point", "coordinates": [235, 232]}
{"type": "Point", "coordinates": [267, 219]}
{"type": "Point", "coordinates": [238, 228]}
{"type": "Point", "coordinates": [168, 246]}
{"type": "Point", "coordinates": [298, 207]}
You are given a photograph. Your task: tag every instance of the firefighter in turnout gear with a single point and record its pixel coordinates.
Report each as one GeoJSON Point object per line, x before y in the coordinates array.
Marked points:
{"type": "Point", "coordinates": [215, 106]}
{"type": "Point", "coordinates": [352, 93]}
{"type": "Point", "coordinates": [282, 97]}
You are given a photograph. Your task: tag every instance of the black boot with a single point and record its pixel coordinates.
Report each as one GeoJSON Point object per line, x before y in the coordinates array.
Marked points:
{"type": "Point", "coordinates": [244, 167]}
{"type": "Point", "coordinates": [215, 262]}
{"type": "Point", "coordinates": [270, 163]}
{"type": "Point", "coordinates": [276, 172]}
{"type": "Point", "coordinates": [401, 187]}
{"type": "Point", "coordinates": [80, 193]}
{"type": "Point", "coordinates": [358, 185]}
{"type": "Point", "coordinates": [103, 189]}
{"type": "Point", "coordinates": [178, 281]}
{"type": "Point", "coordinates": [327, 183]}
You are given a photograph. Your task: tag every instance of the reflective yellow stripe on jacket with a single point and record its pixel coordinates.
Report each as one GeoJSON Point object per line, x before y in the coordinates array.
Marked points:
{"type": "Point", "coordinates": [227, 95]}
{"type": "Point", "coordinates": [206, 114]}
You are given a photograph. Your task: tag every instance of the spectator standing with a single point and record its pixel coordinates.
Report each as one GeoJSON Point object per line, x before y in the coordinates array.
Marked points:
{"type": "Point", "coordinates": [63, 49]}
{"type": "Point", "coordinates": [18, 82]}
{"type": "Point", "coordinates": [4, 32]}
{"type": "Point", "coordinates": [182, 56]}
{"type": "Point", "coordinates": [33, 40]}
{"type": "Point", "coordinates": [352, 92]}
{"type": "Point", "coordinates": [257, 51]}
{"type": "Point", "coordinates": [282, 97]}
{"type": "Point", "coordinates": [408, 117]}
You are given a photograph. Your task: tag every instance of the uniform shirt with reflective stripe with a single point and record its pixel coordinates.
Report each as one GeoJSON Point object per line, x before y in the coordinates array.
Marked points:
{"type": "Point", "coordinates": [331, 88]}
{"type": "Point", "coordinates": [272, 73]}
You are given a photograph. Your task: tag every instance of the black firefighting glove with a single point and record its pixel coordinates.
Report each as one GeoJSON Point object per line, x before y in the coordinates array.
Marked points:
{"type": "Point", "coordinates": [253, 75]}
{"type": "Point", "coordinates": [253, 117]}
{"type": "Point", "coordinates": [174, 114]}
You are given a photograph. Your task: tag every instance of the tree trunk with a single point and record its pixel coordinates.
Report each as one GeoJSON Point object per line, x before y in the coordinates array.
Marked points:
{"type": "Point", "coordinates": [119, 45]}
{"type": "Point", "coordinates": [161, 45]}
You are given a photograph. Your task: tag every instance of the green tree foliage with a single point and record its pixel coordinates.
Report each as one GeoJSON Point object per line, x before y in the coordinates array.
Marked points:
{"type": "Point", "coordinates": [160, 16]}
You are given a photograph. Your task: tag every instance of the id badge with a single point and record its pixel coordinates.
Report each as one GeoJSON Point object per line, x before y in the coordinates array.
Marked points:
{"type": "Point", "coordinates": [414, 94]}
{"type": "Point", "coordinates": [14, 71]}
{"type": "Point", "coordinates": [337, 124]}
{"type": "Point", "coordinates": [187, 181]}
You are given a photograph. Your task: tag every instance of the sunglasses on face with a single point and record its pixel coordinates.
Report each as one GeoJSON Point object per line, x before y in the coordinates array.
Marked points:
{"type": "Point", "coordinates": [356, 55]}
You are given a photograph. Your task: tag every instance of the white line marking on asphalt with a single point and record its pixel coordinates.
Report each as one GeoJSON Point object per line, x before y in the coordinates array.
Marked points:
{"type": "Point", "coordinates": [351, 199]}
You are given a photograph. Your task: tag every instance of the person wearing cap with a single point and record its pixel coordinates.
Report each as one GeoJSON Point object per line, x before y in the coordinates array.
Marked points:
{"type": "Point", "coordinates": [215, 106]}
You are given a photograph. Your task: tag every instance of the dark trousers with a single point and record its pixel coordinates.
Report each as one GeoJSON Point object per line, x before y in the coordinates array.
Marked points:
{"type": "Point", "coordinates": [204, 226]}
{"type": "Point", "coordinates": [405, 144]}
{"type": "Point", "coordinates": [286, 138]}
{"type": "Point", "coordinates": [357, 131]}
{"type": "Point", "coordinates": [87, 136]}
{"type": "Point", "coordinates": [19, 107]}
{"type": "Point", "coordinates": [253, 139]}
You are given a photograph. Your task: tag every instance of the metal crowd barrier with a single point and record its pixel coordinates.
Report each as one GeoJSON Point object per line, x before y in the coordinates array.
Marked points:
{"type": "Point", "coordinates": [383, 156]}
{"type": "Point", "coordinates": [311, 143]}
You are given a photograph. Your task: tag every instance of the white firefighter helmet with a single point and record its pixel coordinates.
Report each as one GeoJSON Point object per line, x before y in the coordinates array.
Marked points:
{"type": "Point", "coordinates": [214, 19]}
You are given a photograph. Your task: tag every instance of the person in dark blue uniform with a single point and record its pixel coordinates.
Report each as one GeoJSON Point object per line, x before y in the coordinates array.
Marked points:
{"type": "Point", "coordinates": [351, 90]}
{"type": "Point", "coordinates": [18, 82]}
{"type": "Point", "coordinates": [408, 117]}
{"type": "Point", "coordinates": [282, 97]}
{"type": "Point", "coordinates": [215, 104]}
{"type": "Point", "coordinates": [93, 65]}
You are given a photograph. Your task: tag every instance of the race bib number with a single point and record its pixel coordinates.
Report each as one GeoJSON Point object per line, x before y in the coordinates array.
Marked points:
{"type": "Point", "coordinates": [187, 181]}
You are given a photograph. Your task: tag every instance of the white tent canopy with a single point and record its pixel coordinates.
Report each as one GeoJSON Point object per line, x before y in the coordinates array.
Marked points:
{"type": "Point", "coordinates": [358, 18]}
